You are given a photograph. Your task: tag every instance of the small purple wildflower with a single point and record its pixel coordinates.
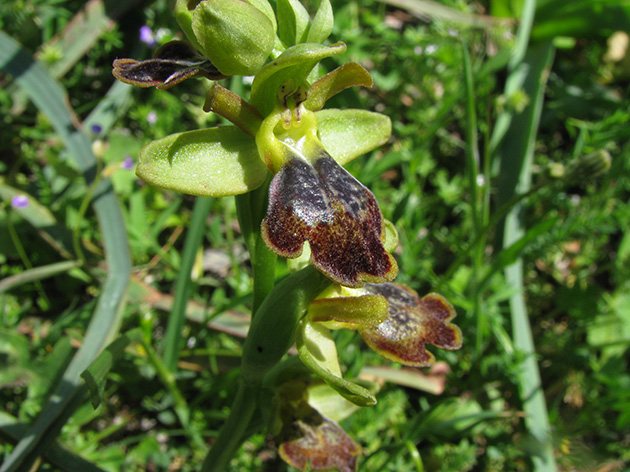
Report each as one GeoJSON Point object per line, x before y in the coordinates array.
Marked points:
{"type": "Point", "coordinates": [152, 117]}
{"type": "Point", "coordinates": [97, 129]}
{"type": "Point", "coordinates": [147, 37]}
{"type": "Point", "coordinates": [128, 163]}
{"type": "Point", "coordinates": [19, 201]}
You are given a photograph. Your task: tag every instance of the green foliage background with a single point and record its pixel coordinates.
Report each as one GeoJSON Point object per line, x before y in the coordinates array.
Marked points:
{"type": "Point", "coordinates": [576, 253]}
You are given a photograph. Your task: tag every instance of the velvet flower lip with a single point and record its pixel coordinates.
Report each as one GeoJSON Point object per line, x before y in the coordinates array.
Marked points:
{"type": "Point", "coordinates": [308, 440]}
{"type": "Point", "coordinates": [325, 205]}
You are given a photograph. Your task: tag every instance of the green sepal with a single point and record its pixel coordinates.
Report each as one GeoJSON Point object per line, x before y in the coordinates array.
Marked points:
{"type": "Point", "coordinates": [347, 75]}
{"type": "Point", "coordinates": [322, 23]}
{"type": "Point", "coordinates": [212, 162]}
{"type": "Point", "coordinates": [347, 134]}
{"type": "Point", "coordinates": [265, 7]}
{"type": "Point", "coordinates": [293, 22]}
{"type": "Point", "coordinates": [184, 10]}
{"type": "Point", "coordinates": [293, 65]}
{"type": "Point", "coordinates": [318, 352]}
{"type": "Point", "coordinates": [356, 312]}
{"type": "Point", "coordinates": [391, 236]}
{"type": "Point", "coordinates": [236, 36]}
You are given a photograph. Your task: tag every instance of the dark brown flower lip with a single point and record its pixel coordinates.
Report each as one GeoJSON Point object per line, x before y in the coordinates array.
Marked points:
{"type": "Point", "coordinates": [325, 205]}
{"type": "Point", "coordinates": [413, 322]}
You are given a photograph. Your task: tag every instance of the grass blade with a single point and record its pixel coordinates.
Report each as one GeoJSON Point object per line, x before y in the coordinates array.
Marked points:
{"type": "Point", "coordinates": [83, 31]}
{"type": "Point", "coordinates": [515, 153]}
{"type": "Point", "coordinates": [173, 336]}
{"type": "Point", "coordinates": [37, 273]}
{"type": "Point", "coordinates": [49, 96]}
{"type": "Point", "coordinates": [13, 431]}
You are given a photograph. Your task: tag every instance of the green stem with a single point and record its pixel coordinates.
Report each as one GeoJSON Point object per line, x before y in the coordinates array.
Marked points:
{"type": "Point", "coordinates": [251, 208]}
{"type": "Point", "coordinates": [173, 336]}
{"type": "Point", "coordinates": [87, 199]}
{"type": "Point", "coordinates": [271, 334]}
{"type": "Point", "coordinates": [233, 431]}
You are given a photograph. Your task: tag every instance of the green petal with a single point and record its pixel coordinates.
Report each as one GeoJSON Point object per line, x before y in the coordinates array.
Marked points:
{"type": "Point", "coordinates": [364, 311]}
{"type": "Point", "coordinates": [294, 64]}
{"type": "Point", "coordinates": [412, 323]}
{"type": "Point", "coordinates": [348, 75]}
{"type": "Point", "coordinates": [347, 134]}
{"type": "Point", "coordinates": [213, 162]}
{"type": "Point", "coordinates": [319, 353]}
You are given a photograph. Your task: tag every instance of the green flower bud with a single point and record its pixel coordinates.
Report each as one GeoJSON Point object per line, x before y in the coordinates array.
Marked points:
{"type": "Point", "coordinates": [589, 166]}
{"type": "Point", "coordinates": [236, 36]}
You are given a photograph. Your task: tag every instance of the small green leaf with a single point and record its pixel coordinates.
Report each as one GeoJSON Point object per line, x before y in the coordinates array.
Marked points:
{"type": "Point", "coordinates": [213, 162]}
{"type": "Point", "coordinates": [293, 22]}
{"type": "Point", "coordinates": [294, 64]}
{"type": "Point", "coordinates": [329, 403]}
{"type": "Point", "coordinates": [322, 23]}
{"type": "Point", "coordinates": [347, 134]}
{"type": "Point", "coordinates": [319, 353]}
{"type": "Point", "coordinates": [317, 340]}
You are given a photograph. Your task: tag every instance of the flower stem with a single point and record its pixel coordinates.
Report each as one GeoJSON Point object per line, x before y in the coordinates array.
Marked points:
{"type": "Point", "coordinates": [251, 208]}
{"type": "Point", "coordinates": [232, 434]}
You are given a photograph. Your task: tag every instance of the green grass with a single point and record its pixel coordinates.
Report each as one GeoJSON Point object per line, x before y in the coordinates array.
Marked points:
{"type": "Point", "coordinates": [484, 178]}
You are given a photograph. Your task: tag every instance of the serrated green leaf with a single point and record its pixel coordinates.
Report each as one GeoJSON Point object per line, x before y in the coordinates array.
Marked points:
{"type": "Point", "coordinates": [213, 162]}
{"type": "Point", "coordinates": [347, 134]}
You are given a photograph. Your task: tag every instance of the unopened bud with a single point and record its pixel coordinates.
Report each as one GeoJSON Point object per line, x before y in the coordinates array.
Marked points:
{"type": "Point", "coordinates": [234, 35]}
{"type": "Point", "coordinates": [589, 166]}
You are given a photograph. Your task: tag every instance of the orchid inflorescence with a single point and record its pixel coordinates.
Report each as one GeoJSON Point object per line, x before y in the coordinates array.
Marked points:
{"type": "Point", "coordinates": [285, 148]}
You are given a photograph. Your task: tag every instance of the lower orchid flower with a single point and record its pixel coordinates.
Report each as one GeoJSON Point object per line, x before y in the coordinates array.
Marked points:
{"type": "Point", "coordinates": [391, 318]}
